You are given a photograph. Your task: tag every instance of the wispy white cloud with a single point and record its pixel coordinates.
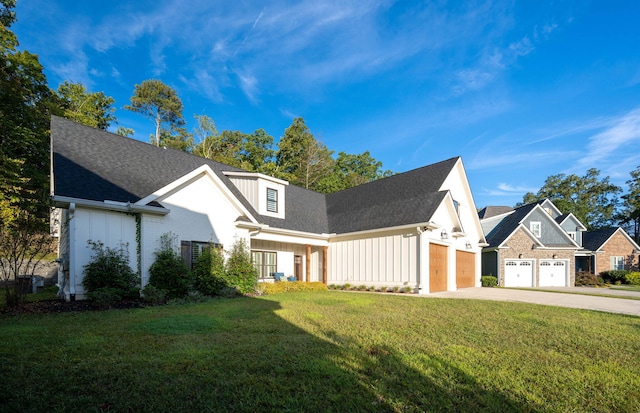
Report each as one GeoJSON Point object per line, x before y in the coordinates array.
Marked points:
{"type": "Point", "coordinates": [616, 142]}
{"type": "Point", "coordinates": [508, 190]}
{"type": "Point", "coordinates": [249, 85]}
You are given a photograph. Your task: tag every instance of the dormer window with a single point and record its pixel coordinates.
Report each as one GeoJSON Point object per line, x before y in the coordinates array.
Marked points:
{"type": "Point", "coordinates": [272, 200]}
{"type": "Point", "coordinates": [536, 228]}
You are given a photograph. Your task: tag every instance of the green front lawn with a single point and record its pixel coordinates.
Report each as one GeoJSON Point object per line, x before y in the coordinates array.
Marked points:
{"type": "Point", "coordinates": [322, 351]}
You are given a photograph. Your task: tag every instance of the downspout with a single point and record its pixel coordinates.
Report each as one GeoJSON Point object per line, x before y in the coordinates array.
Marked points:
{"type": "Point", "coordinates": [498, 266]}
{"type": "Point", "coordinates": [72, 252]}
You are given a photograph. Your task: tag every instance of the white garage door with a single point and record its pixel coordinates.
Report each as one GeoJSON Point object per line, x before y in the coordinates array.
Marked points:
{"type": "Point", "coordinates": [553, 273]}
{"type": "Point", "coordinates": [518, 273]}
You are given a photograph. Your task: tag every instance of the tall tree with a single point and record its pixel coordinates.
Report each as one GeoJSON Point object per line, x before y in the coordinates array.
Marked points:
{"type": "Point", "coordinates": [159, 103]}
{"type": "Point", "coordinates": [352, 170]}
{"type": "Point", "coordinates": [301, 158]}
{"type": "Point", "coordinates": [593, 200]}
{"type": "Point", "coordinates": [26, 103]}
{"type": "Point", "coordinates": [630, 214]}
{"type": "Point", "coordinates": [89, 108]}
{"type": "Point", "coordinates": [252, 152]}
{"type": "Point", "coordinates": [176, 137]}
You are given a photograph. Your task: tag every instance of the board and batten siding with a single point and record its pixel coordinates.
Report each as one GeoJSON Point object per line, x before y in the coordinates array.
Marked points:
{"type": "Point", "coordinates": [248, 187]}
{"type": "Point", "coordinates": [385, 260]}
{"type": "Point", "coordinates": [113, 229]}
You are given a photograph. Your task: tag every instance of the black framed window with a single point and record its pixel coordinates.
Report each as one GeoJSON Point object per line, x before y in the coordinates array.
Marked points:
{"type": "Point", "coordinates": [265, 262]}
{"type": "Point", "coordinates": [272, 200]}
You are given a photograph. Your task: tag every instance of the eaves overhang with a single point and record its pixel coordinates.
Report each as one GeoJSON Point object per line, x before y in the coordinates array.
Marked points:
{"type": "Point", "coordinates": [65, 201]}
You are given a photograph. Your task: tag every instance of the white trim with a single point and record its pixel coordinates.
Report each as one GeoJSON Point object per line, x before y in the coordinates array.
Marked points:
{"type": "Point", "coordinates": [65, 201]}
{"type": "Point", "coordinates": [255, 175]}
{"type": "Point", "coordinates": [203, 170]}
{"type": "Point", "coordinates": [553, 222]}
{"type": "Point", "coordinates": [536, 228]}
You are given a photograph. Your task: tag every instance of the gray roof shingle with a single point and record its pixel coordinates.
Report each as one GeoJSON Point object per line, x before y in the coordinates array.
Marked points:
{"type": "Point", "coordinates": [97, 165]}
{"type": "Point", "coordinates": [593, 240]}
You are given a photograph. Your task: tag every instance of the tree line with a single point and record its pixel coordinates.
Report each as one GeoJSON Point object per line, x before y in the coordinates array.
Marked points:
{"type": "Point", "coordinates": [594, 200]}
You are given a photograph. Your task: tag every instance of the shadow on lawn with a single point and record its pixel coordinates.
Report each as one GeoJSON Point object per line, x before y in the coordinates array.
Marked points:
{"type": "Point", "coordinates": [231, 355]}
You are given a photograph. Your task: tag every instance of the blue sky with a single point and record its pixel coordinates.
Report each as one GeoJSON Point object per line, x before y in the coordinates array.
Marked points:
{"type": "Point", "coordinates": [520, 89]}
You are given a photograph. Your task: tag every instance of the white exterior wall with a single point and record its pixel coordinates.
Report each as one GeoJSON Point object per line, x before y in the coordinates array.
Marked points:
{"type": "Point", "coordinates": [384, 259]}
{"type": "Point", "coordinates": [458, 186]}
{"type": "Point", "coordinates": [110, 228]}
{"type": "Point", "coordinates": [285, 256]}
{"type": "Point", "coordinates": [199, 211]}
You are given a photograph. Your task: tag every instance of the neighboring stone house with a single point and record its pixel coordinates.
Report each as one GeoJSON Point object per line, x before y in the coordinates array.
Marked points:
{"type": "Point", "coordinates": [417, 229]}
{"type": "Point", "coordinates": [609, 249]}
{"type": "Point", "coordinates": [530, 246]}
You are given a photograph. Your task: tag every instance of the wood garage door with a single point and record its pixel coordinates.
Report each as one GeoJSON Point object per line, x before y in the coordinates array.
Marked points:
{"type": "Point", "coordinates": [518, 273]}
{"type": "Point", "coordinates": [553, 273]}
{"type": "Point", "coordinates": [437, 268]}
{"type": "Point", "coordinates": [465, 269]}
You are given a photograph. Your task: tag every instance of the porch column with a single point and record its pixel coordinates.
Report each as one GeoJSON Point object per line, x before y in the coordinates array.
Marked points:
{"type": "Point", "coordinates": [308, 269]}
{"type": "Point", "coordinates": [324, 264]}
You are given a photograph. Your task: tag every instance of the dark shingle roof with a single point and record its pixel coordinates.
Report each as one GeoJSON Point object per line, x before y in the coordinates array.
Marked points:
{"type": "Point", "coordinates": [509, 224]}
{"type": "Point", "coordinates": [492, 211]}
{"type": "Point", "coordinates": [593, 240]}
{"type": "Point", "coordinates": [406, 198]}
{"type": "Point", "coordinates": [97, 165]}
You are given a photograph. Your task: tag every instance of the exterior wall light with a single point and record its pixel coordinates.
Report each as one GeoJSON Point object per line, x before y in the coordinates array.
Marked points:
{"type": "Point", "coordinates": [468, 245]}
{"type": "Point", "coordinates": [444, 234]}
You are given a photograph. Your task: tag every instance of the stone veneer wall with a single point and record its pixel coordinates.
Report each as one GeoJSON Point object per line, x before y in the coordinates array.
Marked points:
{"type": "Point", "coordinates": [618, 245]}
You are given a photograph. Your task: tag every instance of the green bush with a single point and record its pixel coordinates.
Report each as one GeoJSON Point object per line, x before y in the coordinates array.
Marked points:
{"type": "Point", "coordinates": [105, 297]}
{"type": "Point", "coordinates": [586, 278]}
{"type": "Point", "coordinates": [489, 281]}
{"type": "Point", "coordinates": [614, 276]}
{"type": "Point", "coordinates": [633, 278]}
{"type": "Point", "coordinates": [109, 269]}
{"type": "Point", "coordinates": [285, 287]}
{"type": "Point", "coordinates": [168, 272]}
{"type": "Point", "coordinates": [240, 271]}
{"type": "Point", "coordinates": [154, 295]}
{"type": "Point", "coordinates": [209, 272]}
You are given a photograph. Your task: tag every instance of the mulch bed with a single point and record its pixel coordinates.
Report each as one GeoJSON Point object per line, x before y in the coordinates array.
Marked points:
{"type": "Point", "coordinates": [62, 306]}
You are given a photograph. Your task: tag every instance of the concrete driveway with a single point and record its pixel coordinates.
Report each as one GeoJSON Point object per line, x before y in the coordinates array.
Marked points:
{"type": "Point", "coordinates": [580, 297]}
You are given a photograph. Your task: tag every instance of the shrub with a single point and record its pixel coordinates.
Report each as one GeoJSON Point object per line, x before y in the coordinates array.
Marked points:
{"type": "Point", "coordinates": [614, 276]}
{"type": "Point", "coordinates": [286, 287]}
{"type": "Point", "coordinates": [408, 289]}
{"type": "Point", "coordinates": [109, 269]}
{"type": "Point", "coordinates": [633, 278]}
{"type": "Point", "coordinates": [586, 278]}
{"type": "Point", "coordinates": [489, 281]}
{"type": "Point", "coordinates": [240, 271]}
{"type": "Point", "coordinates": [154, 295]}
{"type": "Point", "coordinates": [168, 272]}
{"type": "Point", "coordinates": [209, 273]}
{"type": "Point", "coordinates": [346, 286]}
{"type": "Point", "coordinates": [105, 297]}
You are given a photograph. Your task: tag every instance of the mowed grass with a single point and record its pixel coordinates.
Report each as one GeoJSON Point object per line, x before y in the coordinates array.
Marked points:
{"type": "Point", "coordinates": [322, 351]}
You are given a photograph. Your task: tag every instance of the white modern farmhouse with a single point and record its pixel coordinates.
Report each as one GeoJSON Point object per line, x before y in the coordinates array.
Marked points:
{"type": "Point", "coordinates": [417, 229]}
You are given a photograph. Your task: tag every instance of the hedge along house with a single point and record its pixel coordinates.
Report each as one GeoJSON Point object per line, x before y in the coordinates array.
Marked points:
{"type": "Point", "coordinates": [417, 229]}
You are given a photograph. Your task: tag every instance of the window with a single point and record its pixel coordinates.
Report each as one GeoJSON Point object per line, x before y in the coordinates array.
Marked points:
{"type": "Point", "coordinates": [617, 263]}
{"type": "Point", "coordinates": [572, 234]}
{"type": "Point", "coordinates": [272, 200]}
{"type": "Point", "coordinates": [456, 205]}
{"type": "Point", "coordinates": [536, 228]}
{"type": "Point", "coordinates": [192, 250]}
{"type": "Point", "coordinates": [265, 262]}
